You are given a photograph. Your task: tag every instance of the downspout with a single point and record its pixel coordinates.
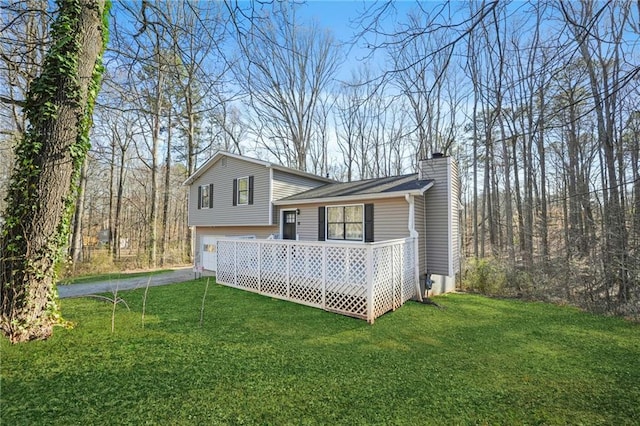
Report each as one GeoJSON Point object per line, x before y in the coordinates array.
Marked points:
{"type": "Point", "coordinates": [414, 234]}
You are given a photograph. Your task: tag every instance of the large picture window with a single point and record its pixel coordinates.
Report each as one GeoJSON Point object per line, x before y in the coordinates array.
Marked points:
{"type": "Point", "coordinates": [345, 223]}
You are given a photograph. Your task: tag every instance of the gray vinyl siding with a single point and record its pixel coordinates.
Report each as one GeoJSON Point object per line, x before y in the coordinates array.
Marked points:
{"type": "Point", "coordinates": [287, 184]}
{"type": "Point", "coordinates": [441, 228]}
{"type": "Point", "coordinates": [223, 212]}
{"type": "Point", "coordinates": [390, 218]}
{"type": "Point", "coordinates": [455, 218]}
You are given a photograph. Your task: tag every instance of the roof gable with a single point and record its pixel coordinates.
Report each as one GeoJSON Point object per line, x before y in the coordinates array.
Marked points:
{"type": "Point", "coordinates": [220, 154]}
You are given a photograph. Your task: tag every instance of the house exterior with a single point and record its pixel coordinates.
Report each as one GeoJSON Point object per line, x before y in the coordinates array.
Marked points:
{"type": "Point", "coordinates": [240, 197]}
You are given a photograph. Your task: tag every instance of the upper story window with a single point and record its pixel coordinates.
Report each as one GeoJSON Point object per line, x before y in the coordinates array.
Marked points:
{"type": "Point", "coordinates": [205, 196]}
{"type": "Point", "coordinates": [345, 223]}
{"type": "Point", "coordinates": [243, 191]}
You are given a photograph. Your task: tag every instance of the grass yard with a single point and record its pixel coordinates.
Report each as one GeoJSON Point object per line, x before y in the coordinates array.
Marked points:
{"type": "Point", "coordinates": [258, 360]}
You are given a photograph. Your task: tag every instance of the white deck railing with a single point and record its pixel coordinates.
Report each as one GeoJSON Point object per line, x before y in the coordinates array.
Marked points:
{"type": "Point", "coordinates": [363, 280]}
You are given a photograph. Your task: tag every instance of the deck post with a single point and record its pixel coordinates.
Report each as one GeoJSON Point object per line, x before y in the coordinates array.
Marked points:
{"type": "Point", "coordinates": [394, 302]}
{"type": "Point", "coordinates": [259, 266]}
{"type": "Point", "coordinates": [288, 271]}
{"type": "Point", "coordinates": [416, 268]}
{"type": "Point", "coordinates": [324, 277]}
{"type": "Point", "coordinates": [235, 263]}
{"type": "Point", "coordinates": [370, 283]}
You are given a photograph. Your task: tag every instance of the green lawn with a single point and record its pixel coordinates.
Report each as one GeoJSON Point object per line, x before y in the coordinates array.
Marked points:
{"type": "Point", "coordinates": [258, 360]}
{"type": "Point", "coordinates": [111, 276]}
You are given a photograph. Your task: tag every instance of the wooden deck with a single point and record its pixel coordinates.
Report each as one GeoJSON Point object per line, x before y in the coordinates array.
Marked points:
{"type": "Point", "coordinates": [362, 280]}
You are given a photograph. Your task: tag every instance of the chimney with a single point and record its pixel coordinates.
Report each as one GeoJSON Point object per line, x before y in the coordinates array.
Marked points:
{"type": "Point", "coordinates": [426, 165]}
{"type": "Point", "coordinates": [441, 213]}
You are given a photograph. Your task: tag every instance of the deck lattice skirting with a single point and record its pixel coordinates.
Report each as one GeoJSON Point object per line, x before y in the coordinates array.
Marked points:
{"type": "Point", "coordinates": [362, 280]}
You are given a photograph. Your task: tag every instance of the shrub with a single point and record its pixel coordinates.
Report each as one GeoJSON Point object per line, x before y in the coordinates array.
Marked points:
{"type": "Point", "coordinates": [486, 276]}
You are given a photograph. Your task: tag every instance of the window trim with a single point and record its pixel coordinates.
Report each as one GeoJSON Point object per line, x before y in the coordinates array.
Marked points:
{"type": "Point", "coordinates": [238, 191]}
{"type": "Point", "coordinates": [344, 223]}
{"type": "Point", "coordinates": [209, 194]}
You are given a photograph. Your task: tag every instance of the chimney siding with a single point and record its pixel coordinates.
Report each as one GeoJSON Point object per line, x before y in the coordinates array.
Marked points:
{"type": "Point", "coordinates": [442, 208]}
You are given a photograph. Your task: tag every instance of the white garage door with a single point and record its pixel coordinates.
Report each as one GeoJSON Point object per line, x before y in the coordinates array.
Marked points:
{"type": "Point", "coordinates": [210, 253]}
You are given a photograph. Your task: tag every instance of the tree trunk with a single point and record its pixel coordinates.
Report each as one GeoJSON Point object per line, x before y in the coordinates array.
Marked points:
{"type": "Point", "coordinates": [48, 162]}
{"type": "Point", "coordinates": [76, 240]}
{"type": "Point", "coordinates": [116, 217]}
{"type": "Point", "coordinates": [544, 234]}
{"type": "Point", "coordinates": [166, 198]}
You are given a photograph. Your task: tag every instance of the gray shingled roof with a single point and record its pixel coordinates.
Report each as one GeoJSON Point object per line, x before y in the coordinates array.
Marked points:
{"type": "Point", "coordinates": [401, 184]}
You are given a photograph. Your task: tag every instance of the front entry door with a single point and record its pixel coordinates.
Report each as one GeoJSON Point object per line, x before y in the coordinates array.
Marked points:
{"type": "Point", "coordinates": [289, 225]}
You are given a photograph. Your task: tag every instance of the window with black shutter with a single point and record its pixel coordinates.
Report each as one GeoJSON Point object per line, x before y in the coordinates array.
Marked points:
{"type": "Point", "coordinates": [243, 191]}
{"type": "Point", "coordinates": [349, 222]}
{"type": "Point", "coordinates": [205, 196]}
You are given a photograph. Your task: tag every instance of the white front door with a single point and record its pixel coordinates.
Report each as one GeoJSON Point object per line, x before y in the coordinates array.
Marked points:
{"type": "Point", "coordinates": [210, 253]}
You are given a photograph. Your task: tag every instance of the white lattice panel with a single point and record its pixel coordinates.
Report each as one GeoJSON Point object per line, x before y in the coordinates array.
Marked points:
{"type": "Point", "coordinates": [247, 265]}
{"type": "Point", "coordinates": [336, 266]}
{"type": "Point", "coordinates": [273, 279]}
{"type": "Point", "coordinates": [383, 279]}
{"type": "Point", "coordinates": [306, 274]}
{"type": "Point", "coordinates": [225, 273]}
{"type": "Point", "coordinates": [346, 287]}
{"type": "Point", "coordinates": [408, 271]}
{"type": "Point", "coordinates": [396, 260]}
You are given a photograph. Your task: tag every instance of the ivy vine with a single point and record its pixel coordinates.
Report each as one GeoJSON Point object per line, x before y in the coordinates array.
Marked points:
{"type": "Point", "coordinates": [57, 84]}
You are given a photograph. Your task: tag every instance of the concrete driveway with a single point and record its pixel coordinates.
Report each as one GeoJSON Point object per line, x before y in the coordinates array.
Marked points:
{"type": "Point", "coordinates": [175, 276]}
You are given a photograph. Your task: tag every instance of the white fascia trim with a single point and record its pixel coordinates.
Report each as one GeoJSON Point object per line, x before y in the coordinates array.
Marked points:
{"type": "Point", "coordinates": [215, 157]}
{"type": "Point", "coordinates": [227, 225]}
{"type": "Point", "coordinates": [427, 186]}
{"type": "Point", "coordinates": [347, 199]}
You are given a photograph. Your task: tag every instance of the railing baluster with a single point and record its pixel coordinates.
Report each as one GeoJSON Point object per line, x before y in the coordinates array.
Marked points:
{"type": "Point", "coordinates": [370, 284]}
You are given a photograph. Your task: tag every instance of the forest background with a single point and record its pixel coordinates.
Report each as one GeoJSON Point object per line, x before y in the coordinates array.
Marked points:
{"type": "Point", "coordinates": [538, 101]}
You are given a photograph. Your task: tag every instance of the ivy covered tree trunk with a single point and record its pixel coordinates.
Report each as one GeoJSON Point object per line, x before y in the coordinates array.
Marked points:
{"type": "Point", "coordinates": [49, 159]}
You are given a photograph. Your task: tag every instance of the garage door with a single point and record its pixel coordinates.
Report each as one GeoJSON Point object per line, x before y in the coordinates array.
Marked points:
{"type": "Point", "coordinates": [210, 253]}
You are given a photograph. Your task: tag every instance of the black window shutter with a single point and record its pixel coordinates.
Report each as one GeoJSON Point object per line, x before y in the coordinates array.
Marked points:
{"type": "Point", "coordinates": [210, 195]}
{"type": "Point", "coordinates": [235, 192]}
{"type": "Point", "coordinates": [321, 226]}
{"type": "Point", "coordinates": [250, 189]}
{"type": "Point", "coordinates": [199, 197]}
{"type": "Point", "coordinates": [368, 223]}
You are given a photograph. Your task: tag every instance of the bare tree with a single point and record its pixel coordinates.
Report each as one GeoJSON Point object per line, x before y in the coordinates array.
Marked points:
{"type": "Point", "coordinates": [604, 63]}
{"type": "Point", "coordinates": [284, 69]}
{"type": "Point", "coordinates": [23, 44]}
